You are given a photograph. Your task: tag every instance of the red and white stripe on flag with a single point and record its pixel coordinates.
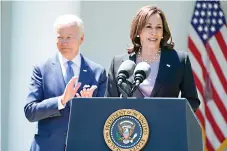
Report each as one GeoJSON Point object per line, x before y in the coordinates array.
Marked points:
{"type": "Point", "coordinates": [207, 46]}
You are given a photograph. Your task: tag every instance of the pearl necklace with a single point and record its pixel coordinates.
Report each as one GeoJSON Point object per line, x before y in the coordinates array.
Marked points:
{"type": "Point", "coordinates": [154, 58]}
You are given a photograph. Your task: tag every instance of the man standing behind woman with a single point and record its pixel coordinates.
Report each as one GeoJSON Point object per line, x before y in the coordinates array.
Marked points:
{"type": "Point", "coordinates": [170, 69]}
{"type": "Point", "coordinates": [56, 81]}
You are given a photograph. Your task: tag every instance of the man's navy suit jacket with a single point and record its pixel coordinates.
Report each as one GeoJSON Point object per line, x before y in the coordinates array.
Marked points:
{"type": "Point", "coordinates": [47, 84]}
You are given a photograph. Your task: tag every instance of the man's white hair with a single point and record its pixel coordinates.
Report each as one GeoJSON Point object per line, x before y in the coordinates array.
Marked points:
{"type": "Point", "coordinates": [69, 19]}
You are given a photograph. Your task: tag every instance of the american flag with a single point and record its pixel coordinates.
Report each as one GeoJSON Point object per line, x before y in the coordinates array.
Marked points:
{"type": "Point", "coordinates": [207, 46]}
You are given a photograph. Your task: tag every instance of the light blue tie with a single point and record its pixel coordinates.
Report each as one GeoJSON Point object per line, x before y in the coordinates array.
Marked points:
{"type": "Point", "coordinates": [69, 72]}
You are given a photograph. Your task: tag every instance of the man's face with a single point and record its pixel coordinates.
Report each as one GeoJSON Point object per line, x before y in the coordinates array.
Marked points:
{"type": "Point", "coordinates": [69, 39]}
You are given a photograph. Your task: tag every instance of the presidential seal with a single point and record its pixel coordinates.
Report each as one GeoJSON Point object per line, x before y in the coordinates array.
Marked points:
{"type": "Point", "coordinates": [125, 130]}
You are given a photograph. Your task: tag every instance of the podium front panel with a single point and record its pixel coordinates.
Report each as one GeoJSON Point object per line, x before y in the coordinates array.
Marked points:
{"type": "Point", "coordinates": [166, 118]}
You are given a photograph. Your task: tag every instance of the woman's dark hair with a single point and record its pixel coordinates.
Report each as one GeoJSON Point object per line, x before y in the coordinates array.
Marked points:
{"type": "Point", "coordinates": [139, 22]}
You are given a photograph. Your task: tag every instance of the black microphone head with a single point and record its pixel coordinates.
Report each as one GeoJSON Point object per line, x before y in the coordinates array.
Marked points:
{"type": "Point", "coordinates": [141, 72]}
{"type": "Point", "coordinates": [125, 71]}
{"type": "Point", "coordinates": [142, 69]}
{"type": "Point", "coordinates": [127, 68]}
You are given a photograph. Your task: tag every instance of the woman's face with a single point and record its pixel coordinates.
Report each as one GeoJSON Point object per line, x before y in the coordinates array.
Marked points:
{"type": "Point", "coordinates": [152, 32]}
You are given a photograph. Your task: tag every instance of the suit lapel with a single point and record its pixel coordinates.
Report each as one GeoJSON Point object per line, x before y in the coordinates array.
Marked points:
{"type": "Point", "coordinates": [163, 72]}
{"type": "Point", "coordinates": [132, 57]}
{"type": "Point", "coordinates": [86, 74]}
{"type": "Point", "coordinates": [58, 76]}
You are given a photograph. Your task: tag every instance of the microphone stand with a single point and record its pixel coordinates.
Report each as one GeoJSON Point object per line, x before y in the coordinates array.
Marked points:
{"type": "Point", "coordinates": [134, 87]}
{"type": "Point", "coordinates": [139, 78]}
{"type": "Point", "coordinates": [125, 89]}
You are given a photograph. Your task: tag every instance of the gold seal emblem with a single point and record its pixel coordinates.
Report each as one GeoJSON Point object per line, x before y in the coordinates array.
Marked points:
{"type": "Point", "coordinates": [125, 130]}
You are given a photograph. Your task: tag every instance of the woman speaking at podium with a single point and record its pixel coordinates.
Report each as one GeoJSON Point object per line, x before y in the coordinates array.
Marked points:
{"type": "Point", "coordinates": [171, 71]}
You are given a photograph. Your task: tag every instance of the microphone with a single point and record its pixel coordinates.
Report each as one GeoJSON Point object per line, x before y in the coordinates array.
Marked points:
{"type": "Point", "coordinates": [125, 71]}
{"type": "Point", "coordinates": [125, 89]}
{"type": "Point", "coordinates": [141, 72]}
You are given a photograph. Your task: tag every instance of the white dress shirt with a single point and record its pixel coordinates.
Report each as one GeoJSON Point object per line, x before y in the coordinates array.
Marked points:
{"type": "Point", "coordinates": [76, 70]}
